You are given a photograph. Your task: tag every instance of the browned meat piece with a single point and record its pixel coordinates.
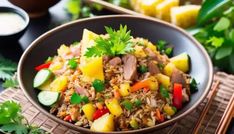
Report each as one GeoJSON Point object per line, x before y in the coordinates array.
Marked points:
{"type": "Point", "coordinates": [162, 59]}
{"type": "Point", "coordinates": [130, 67]}
{"type": "Point", "coordinates": [153, 68]}
{"type": "Point", "coordinates": [185, 96]}
{"type": "Point", "coordinates": [178, 77]}
{"type": "Point", "coordinates": [115, 61]}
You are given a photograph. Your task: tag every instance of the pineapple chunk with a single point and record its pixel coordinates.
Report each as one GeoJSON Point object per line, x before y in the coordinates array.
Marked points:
{"type": "Point", "coordinates": [168, 69]}
{"type": "Point", "coordinates": [104, 124]}
{"type": "Point", "coordinates": [164, 80]}
{"type": "Point", "coordinates": [163, 10]}
{"type": "Point", "coordinates": [63, 50]}
{"type": "Point", "coordinates": [114, 107]}
{"type": "Point", "coordinates": [124, 89]}
{"type": "Point", "coordinates": [92, 68]}
{"type": "Point", "coordinates": [59, 84]}
{"type": "Point", "coordinates": [56, 66]}
{"type": "Point", "coordinates": [181, 62]}
{"type": "Point", "coordinates": [184, 16]}
{"type": "Point", "coordinates": [147, 7]}
{"type": "Point", "coordinates": [89, 110]}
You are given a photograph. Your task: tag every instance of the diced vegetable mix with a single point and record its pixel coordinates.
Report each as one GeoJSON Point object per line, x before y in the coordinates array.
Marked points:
{"type": "Point", "coordinates": [93, 87]}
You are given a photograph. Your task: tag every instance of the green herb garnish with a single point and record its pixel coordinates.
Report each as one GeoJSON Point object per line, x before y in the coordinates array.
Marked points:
{"type": "Point", "coordinates": [72, 63]}
{"type": "Point", "coordinates": [12, 120]}
{"type": "Point", "coordinates": [163, 49]}
{"type": "Point", "coordinates": [137, 103]}
{"type": "Point", "coordinates": [142, 69]}
{"type": "Point", "coordinates": [127, 104]}
{"type": "Point", "coordinates": [77, 99]}
{"type": "Point", "coordinates": [98, 85]}
{"type": "Point", "coordinates": [163, 91]}
{"type": "Point", "coordinates": [118, 43]}
{"type": "Point", "coordinates": [193, 86]}
{"type": "Point", "coordinates": [10, 83]}
{"type": "Point", "coordinates": [7, 68]}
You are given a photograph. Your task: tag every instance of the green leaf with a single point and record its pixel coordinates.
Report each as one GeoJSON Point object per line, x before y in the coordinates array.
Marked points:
{"type": "Point", "coordinates": [17, 128]}
{"type": "Point", "coordinates": [231, 61]}
{"type": "Point", "coordinates": [98, 85]}
{"type": "Point", "coordinates": [163, 91]}
{"type": "Point", "coordinates": [7, 68]}
{"type": "Point", "coordinates": [215, 41]}
{"type": "Point", "coordinates": [137, 102]}
{"type": "Point", "coordinates": [223, 52]}
{"type": "Point", "coordinates": [10, 83]}
{"type": "Point", "coordinates": [211, 9]}
{"type": "Point", "coordinates": [8, 112]}
{"type": "Point", "coordinates": [193, 86]}
{"type": "Point", "coordinates": [127, 104]}
{"type": "Point", "coordinates": [222, 24]}
{"type": "Point", "coordinates": [231, 35]}
{"type": "Point", "coordinates": [118, 43]}
{"type": "Point", "coordinates": [73, 7]}
{"type": "Point", "coordinates": [72, 63]}
{"type": "Point", "coordinates": [75, 98]}
{"type": "Point", "coordinates": [194, 30]}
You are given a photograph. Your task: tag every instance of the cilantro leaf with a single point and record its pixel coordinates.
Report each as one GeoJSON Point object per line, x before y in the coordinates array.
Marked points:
{"type": "Point", "coordinates": [7, 68]}
{"type": "Point", "coordinates": [215, 41]}
{"type": "Point", "coordinates": [10, 83]}
{"type": "Point", "coordinates": [118, 42]}
{"type": "Point", "coordinates": [223, 52]}
{"type": "Point", "coordinates": [222, 24]}
{"type": "Point", "coordinates": [8, 112]}
{"type": "Point", "coordinates": [17, 128]}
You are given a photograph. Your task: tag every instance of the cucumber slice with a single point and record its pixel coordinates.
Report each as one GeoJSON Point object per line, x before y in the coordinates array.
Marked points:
{"type": "Point", "coordinates": [41, 77]}
{"type": "Point", "coordinates": [48, 98]}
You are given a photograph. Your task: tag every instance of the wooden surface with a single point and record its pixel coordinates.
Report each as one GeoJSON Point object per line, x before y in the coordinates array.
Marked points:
{"type": "Point", "coordinates": [208, 125]}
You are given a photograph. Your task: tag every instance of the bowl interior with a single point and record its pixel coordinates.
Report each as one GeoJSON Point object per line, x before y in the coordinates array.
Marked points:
{"type": "Point", "coordinates": [47, 45]}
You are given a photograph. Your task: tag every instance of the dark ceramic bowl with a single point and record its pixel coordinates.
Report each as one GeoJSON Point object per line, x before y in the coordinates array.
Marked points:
{"type": "Point", "coordinates": [16, 35]}
{"type": "Point", "coordinates": [47, 44]}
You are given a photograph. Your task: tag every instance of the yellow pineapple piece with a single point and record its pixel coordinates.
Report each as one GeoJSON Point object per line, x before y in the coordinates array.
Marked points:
{"type": "Point", "coordinates": [147, 7]}
{"type": "Point", "coordinates": [163, 10]}
{"type": "Point", "coordinates": [184, 16]}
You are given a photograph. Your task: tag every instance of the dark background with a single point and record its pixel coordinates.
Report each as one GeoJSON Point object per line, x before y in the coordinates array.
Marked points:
{"type": "Point", "coordinates": [56, 16]}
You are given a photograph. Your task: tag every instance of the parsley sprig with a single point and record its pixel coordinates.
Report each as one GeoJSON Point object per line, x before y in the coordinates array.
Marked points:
{"type": "Point", "coordinates": [118, 43]}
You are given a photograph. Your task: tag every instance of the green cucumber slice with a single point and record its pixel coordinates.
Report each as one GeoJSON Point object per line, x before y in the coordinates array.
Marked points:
{"type": "Point", "coordinates": [48, 98]}
{"type": "Point", "coordinates": [41, 77]}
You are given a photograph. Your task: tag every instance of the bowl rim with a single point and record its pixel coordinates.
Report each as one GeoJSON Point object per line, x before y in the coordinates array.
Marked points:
{"type": "Point", "coordinates": [148, 129]}
{"type": "Point", "coordinates": [21, 13]}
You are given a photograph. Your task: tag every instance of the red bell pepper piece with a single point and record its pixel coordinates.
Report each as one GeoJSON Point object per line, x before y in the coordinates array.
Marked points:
{"type": "Point", "coordinates": [100, 112]}
{"type": "Point", "coordinates": [68, 118]}
{"type": "Point", "coordinates": [43, 66]}
{"type": "Point", "coordinates": [177, 95]}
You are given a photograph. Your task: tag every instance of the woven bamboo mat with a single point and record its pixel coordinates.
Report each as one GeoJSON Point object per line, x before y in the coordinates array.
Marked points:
{"type": "Point", "coordinates": [184, 126]}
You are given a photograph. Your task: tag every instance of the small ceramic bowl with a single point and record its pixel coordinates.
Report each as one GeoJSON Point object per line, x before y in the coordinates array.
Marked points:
{"type": "Point", "coordinates": [14, 36]}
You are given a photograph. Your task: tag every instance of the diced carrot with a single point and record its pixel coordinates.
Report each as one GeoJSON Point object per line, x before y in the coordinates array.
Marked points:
{"type": "Point", "coordinates": [117, 94]}
{"type": "Point", "coordinates": [99, 105]}
{"type": "Point", "coordinates": [159, 116]}
{"type": "Point", "coordinates": [140, 85]}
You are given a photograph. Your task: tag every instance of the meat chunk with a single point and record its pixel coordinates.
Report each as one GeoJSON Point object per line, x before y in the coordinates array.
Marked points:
{"type": "Point", "coordinates": [162, 59]}
{"type": "Point", "coordinates": [185, 96]}
{"type": "Point", "coordinates": [115, 61]}
{"type": "Point", "coordinates": [178, 77]}
{"type": "Point", "coordinates": [130, 67]}
{"type": "Point", "coordinates": [153, 68]}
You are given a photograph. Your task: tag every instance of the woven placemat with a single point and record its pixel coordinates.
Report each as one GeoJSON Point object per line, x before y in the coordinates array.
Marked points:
{"type": "Point", "coordinates": [184, 126]}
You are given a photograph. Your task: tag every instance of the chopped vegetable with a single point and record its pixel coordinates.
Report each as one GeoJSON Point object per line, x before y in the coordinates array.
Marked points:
{"type": "Point", "coordinates": [104, 124]}
{"type": "Point", "coordinates": [42, 77]}
{"type": "Point", "coordinates": [68, 118]}
{"type": "Point", "coordinates": [89, 110]}
{"type": "Point", "coordinates": [72, 63]}
{"type": "Point", "coordinates": [127, 105]}
{"type": "Point", "coordinates": [112, 46]}
{"type": "Point", "coordinates": [163, 91]}
{"type": "Point", "coordinates": [116, 94]}
{"type": "Point", "coordinates": [168, 69]}
{"type": "Point", "coordinates": [181, 62]}
{"type": "Point", "coordinates": [133, 123]}
{"type": "Point", "coordinates": [164, 80]}
{"type": "Point", "coordinates": [140, 85]}
{"type": "Point", "coordinates": [114, 107]}
{"type": "Point", "coordinates": [159, 116]}
{"type": "Point", "coordinates": [98, 85]}
{"type": "Point", "coordinates": [142, 69]}
{"type": "Point", "coordinates": [77, 99]}
{"type": "Point", "coordinates": [59, 84]}
{"type": "Point", "coordinates": [48, 98]}
{"type": "Point", "coordinates": [177, 95]}
{"type": "Point", "coordinates": [100, 112]}
{"type": "Point", "coordinates": [43, 66]}
{"type": "Point", "coordinates": [137, 103]}
{"type": "Point", "coordinates": [169, 110]}
{"type": "Point", "coordinates": [124, 89]}
{"type": "Point", "coordinates": [193, 86]}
